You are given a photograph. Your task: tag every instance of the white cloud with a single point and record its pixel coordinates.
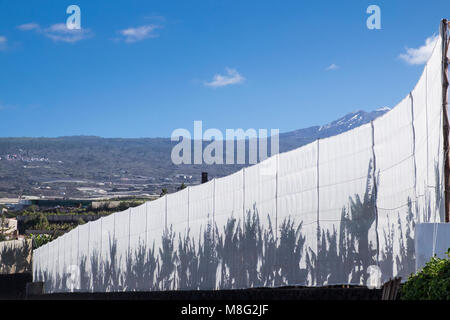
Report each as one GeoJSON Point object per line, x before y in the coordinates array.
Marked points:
{"type": "Point", "coordinates": [421, 54]}
{"type": "Point", "coordinates": [332, 67]}
{"type": "Point", "coordinates": [4, 106]}
{"type": "Point", "coordinates": [139, 33]}
{"type": "Point", "coordinates": [28, 26]}
{"type": "Point", "coordinates": [232, 77]}
{"type": "Point", "coordinates": [58, 32]}
{"type": "Point", "coordinates": [3, 41]}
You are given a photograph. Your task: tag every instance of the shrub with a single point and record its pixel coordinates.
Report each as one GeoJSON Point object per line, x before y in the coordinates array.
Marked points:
{"type": "Point", "coordinates": [40, 240]}
{"type": "Point", "coordinates": [430, 283]}
{"type": "Point", "coordinates": [38, 221]}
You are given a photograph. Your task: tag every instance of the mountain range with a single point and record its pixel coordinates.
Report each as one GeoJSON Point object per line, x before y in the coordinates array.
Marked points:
{"type": "Point", "coordinates": [88, 166]}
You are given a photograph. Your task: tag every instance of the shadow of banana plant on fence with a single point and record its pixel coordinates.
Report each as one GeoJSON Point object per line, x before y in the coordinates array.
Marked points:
{"type": "Point", "coordinates": [404, 260]}
{"type": "Point", "coordinates": [15, 256]}
{"type": "Point", "coordinates": [188, 262]}
{"type": "Point", "coordinates": [345, 259]}
{"type": "Point", "coordinates": [248, 254]}
{"type": "Point", "coordinates": [240, 257]}
{"type": "Point", "coordinates": [240, 249]}
{"type": "Point", "coordinates": [345, 253]}
{"type": "Point", "coordinates": [165, 277]}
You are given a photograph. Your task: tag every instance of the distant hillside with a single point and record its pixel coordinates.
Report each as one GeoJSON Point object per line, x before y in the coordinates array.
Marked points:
{"type": "Point", "coordinates": [31, 165]}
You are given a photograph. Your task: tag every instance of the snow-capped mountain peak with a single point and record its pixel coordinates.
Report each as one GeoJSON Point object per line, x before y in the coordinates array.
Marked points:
{"type": "Point", "coordinates": [350, 121]}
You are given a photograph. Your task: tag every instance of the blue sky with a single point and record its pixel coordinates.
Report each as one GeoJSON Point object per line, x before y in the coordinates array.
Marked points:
{"type": "Point", "coordinates": [145, 68]}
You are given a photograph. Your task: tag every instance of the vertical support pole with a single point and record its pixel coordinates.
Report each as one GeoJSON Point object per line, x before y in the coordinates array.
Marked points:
{"type": "Point", "coordinates": [318, 215]}
{"type": "Point", "coordinates": [101, 240]}
{"type": "Point", "coordinates": [88, 256]}
{"type": "Point", "coordinates": [443, 31]}
{"type": "Point", "coordinates": [114, 226]}
{"type": "Point", "coordinates": [48, 265]}
{"type": "Point", "coordinates": [375, 190]}
{"type": "Point", "coordinates": [318, 191]}
{"type": "Point", "coordinates": [129, 229]}
{"type": "Point", "coordinates": [214, 211]}
{"type": "Point", "coordinates": [78, 247]}
{"type": "Point", "coordinates": [276, 195]}
{"type": "Point", "coordinates": [426, 128]}
{"type": "Point", "coordinates": [89, 240]}
{"type": "Point", "coordinates": [165, 213]}
{"type": "Point", "coordinates": [414, 150]}
{"type": "Point", "coordinates": [243, 196]}
{"type": "Point", "coordinates": [188, 204]}
{"type": "Point", "coordinates": [146, 225]}
{"type": "Point", "coordinates": [63, 271]}
{"type": "Point", "coordinates": [70, 254]}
